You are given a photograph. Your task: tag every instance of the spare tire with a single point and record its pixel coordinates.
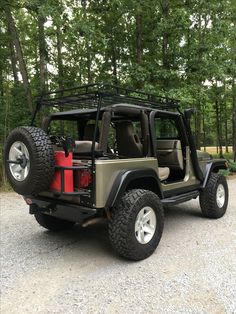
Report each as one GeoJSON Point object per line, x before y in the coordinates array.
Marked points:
{"type": "Point", "coordinates": [29, 160]}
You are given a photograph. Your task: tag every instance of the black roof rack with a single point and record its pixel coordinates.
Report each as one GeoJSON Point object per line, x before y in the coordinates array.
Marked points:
{"type": "Point", "coordinates": [88, 97]}
{"type": "Point", "coordinates": [97, 96]}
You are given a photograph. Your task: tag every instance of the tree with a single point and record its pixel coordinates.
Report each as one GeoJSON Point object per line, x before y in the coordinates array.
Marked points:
{"type": "Point", "coordinates": [172, 48]}
{"type": "Point", "coordinates": [14, 41]}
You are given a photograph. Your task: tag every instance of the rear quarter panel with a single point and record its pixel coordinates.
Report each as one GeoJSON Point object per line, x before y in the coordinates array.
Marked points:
{"type": "Point", "coordinates": [108, 170]}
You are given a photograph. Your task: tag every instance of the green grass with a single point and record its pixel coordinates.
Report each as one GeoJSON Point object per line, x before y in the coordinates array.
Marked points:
{"type": "Point", "coordinates": [226, 156]}
{"type": "Point", "coordinates": [225, 172]}
{"type": "Point", "coordinates": [231, 164]}
{"type": "Point", "coordinates": [5, 187]}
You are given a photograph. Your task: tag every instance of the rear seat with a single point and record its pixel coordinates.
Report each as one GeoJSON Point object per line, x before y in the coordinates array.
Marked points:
{"type": "Point", "coordinates": [84, 146]}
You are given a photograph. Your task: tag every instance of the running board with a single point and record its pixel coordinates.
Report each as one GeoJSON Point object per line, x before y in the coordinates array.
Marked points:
{"type": "Point", "coordinates": [180, 198]}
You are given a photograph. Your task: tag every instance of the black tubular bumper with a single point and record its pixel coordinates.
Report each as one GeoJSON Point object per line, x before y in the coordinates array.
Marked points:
{"type": "Point", "coordinates": [71, 212]}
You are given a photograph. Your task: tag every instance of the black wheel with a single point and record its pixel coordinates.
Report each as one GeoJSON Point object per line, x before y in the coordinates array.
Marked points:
{"type": "Point", "coordinates": [29, 160]}
{"type": "Point", "coordinates": [136, 224]}
{"type": "Point", "coordinates": [214, 198]}
{"type": "Point", "coordinates": [53, 223]}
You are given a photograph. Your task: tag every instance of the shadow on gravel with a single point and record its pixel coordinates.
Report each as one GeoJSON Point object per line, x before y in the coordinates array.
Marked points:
{"type": "Point", "coordinates": [183, 211]}
{"type": "Point", "coordinates": [93, 240]}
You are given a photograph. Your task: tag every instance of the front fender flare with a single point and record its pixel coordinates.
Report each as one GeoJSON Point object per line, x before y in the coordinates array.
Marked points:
{"type": "Point", "coordinates": [214, 166]}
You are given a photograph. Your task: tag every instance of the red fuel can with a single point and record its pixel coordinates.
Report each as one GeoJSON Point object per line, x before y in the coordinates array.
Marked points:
{"type": "Point", "coordinates": [62, 160]}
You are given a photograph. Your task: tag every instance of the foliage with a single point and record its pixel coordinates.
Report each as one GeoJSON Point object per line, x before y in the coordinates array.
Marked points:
{"type": "Point", "coordinates": [181, 49]}
{"type": "Point", "coordinates": [232, 166]}
{"type": "Point", "coordinates": [227, 156]}
{"type": "Point", "coordinates": [225, 172]}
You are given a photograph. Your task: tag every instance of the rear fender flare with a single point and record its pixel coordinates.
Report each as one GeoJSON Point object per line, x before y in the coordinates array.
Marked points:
{"type": "Point", "coordinates": [128, 177]}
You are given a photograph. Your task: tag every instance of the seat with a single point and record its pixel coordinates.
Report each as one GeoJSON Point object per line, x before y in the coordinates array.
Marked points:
{"type": "Point", "coordinates": [84, 146]}
{"type": "Point", "coordinates": [128, 143]}
{"type": "Point", "coordinates": [89, 132]}
{"type": "Point", "coordinates": [164, 173]}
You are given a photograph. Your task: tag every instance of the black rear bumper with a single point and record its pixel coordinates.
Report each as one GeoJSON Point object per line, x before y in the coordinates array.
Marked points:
{"type": "Point", "coordinates": [62, 210]}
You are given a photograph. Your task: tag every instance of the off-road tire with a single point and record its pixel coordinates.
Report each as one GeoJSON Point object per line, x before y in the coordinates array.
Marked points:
{"type": "Point", "coordinates": [208, 197]}
{"type": "Point", "coordinates": [122, 224]}
{"type": "Point", "coordinates": [41, 158]}
{"type": "Point", "coordinates": [53, 223]}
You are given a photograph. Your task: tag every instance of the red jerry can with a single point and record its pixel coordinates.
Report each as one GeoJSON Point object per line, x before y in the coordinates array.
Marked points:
{"type": "Point", "coordinates": [62, 160]}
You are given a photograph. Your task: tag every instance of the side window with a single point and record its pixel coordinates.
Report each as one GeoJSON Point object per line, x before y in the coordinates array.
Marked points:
{"type": "Point", "coordinates": [166, 128]}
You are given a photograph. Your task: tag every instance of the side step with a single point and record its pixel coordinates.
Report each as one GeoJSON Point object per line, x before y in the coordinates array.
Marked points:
{"type": "Point", "coordinates": [180, 198]}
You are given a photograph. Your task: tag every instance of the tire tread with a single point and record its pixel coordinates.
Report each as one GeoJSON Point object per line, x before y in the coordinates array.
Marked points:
{"type": "Point", "coordinates": [207, 197]}
{"type": "Point", "coordinates": [42, 164]}
{"type": "Point", "coordinates": [120, 222]}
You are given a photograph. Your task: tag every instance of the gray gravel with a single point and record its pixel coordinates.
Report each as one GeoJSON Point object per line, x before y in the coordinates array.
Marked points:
{"type": "Point", "coordinates": [192, 271]}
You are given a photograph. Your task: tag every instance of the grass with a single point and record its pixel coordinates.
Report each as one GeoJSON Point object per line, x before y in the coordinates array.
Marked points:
{"type": "Point", "coordinates": [228, 156]}
{"type": "Point", "coordinates": [213, 150]}
{"type": "Point", "coordinates": [231, 169]}
{"type": "Point", "coordinates": [5, 187]}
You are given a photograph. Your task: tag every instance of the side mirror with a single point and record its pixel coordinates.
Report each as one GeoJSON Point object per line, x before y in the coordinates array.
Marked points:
{"type": "Point", "coordinates": [188, 113]}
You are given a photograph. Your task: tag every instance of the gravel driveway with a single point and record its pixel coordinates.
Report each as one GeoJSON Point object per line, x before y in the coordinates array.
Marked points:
{"type": "Point", "coordinates": [192, 271]}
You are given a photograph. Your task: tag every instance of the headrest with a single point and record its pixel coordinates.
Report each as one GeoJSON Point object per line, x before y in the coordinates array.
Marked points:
{"type": "Point", "coordinates": [89, 132]}
{"type": "Point", "coordinates": [125, 127]}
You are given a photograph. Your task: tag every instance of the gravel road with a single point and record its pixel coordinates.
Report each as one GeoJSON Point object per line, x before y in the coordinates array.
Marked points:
{"type": "Point", "coordinates": [192, 271]}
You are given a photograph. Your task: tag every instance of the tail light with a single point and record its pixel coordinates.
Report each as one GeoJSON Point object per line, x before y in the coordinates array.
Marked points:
{"type": "Point", "coordinates": [85, 178]}
{"type": "Point", "coordinates": [28, 201]}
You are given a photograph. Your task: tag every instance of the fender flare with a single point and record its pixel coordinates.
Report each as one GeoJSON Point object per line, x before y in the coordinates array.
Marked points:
{"type": "Point", "coordinates": [214, 166]}
{"type": "Point", "coordinates": [125, 178]}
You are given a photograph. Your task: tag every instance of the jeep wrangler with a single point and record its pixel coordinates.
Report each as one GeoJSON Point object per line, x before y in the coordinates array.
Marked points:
{"type": "Point", "coordinates": [105, 152]}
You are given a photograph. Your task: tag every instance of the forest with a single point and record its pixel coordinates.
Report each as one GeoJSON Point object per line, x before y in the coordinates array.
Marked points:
{"type": "Point", "coordinates": [181, 49]}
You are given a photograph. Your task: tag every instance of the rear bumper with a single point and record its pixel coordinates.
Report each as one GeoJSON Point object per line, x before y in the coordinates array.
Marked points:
{"type": "Point", "coordinates": [71, 212]}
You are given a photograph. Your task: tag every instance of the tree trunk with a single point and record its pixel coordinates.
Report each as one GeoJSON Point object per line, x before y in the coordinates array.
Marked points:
{"type": "Point", "coordinates": [88, 52]}
{"type": "Point", "coordinates": [218, 128]}
{"type": "Point", "coordinates": [139, 50]}
{"type": "Point", "coordinates": [221, 133]}
{"type": "Point", "coordinates": [139, 46]}
{"type": "Point", "coordinates": [165, 41]}
{"type": "Point", "coordinates": [59, 59]}
{"type": "Point", "coordinates": [42, 55]}
{"type": "Point", "coordinates": [204, 129]}
{"type": "Point", "coordinates": [13, 57]}
{"type": "Point", "coordinates": [114, 63]}
{"type": "Point", "coordinates": [226, 129]}
{"type": "Point", "coordinates": [234, 118]}
{"type": "Point", "coordinates": [1, 75]}
{"type": "Point", "coordinates": [14, 38]}
{"type": "Point", "coordinates": [1, 83]}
